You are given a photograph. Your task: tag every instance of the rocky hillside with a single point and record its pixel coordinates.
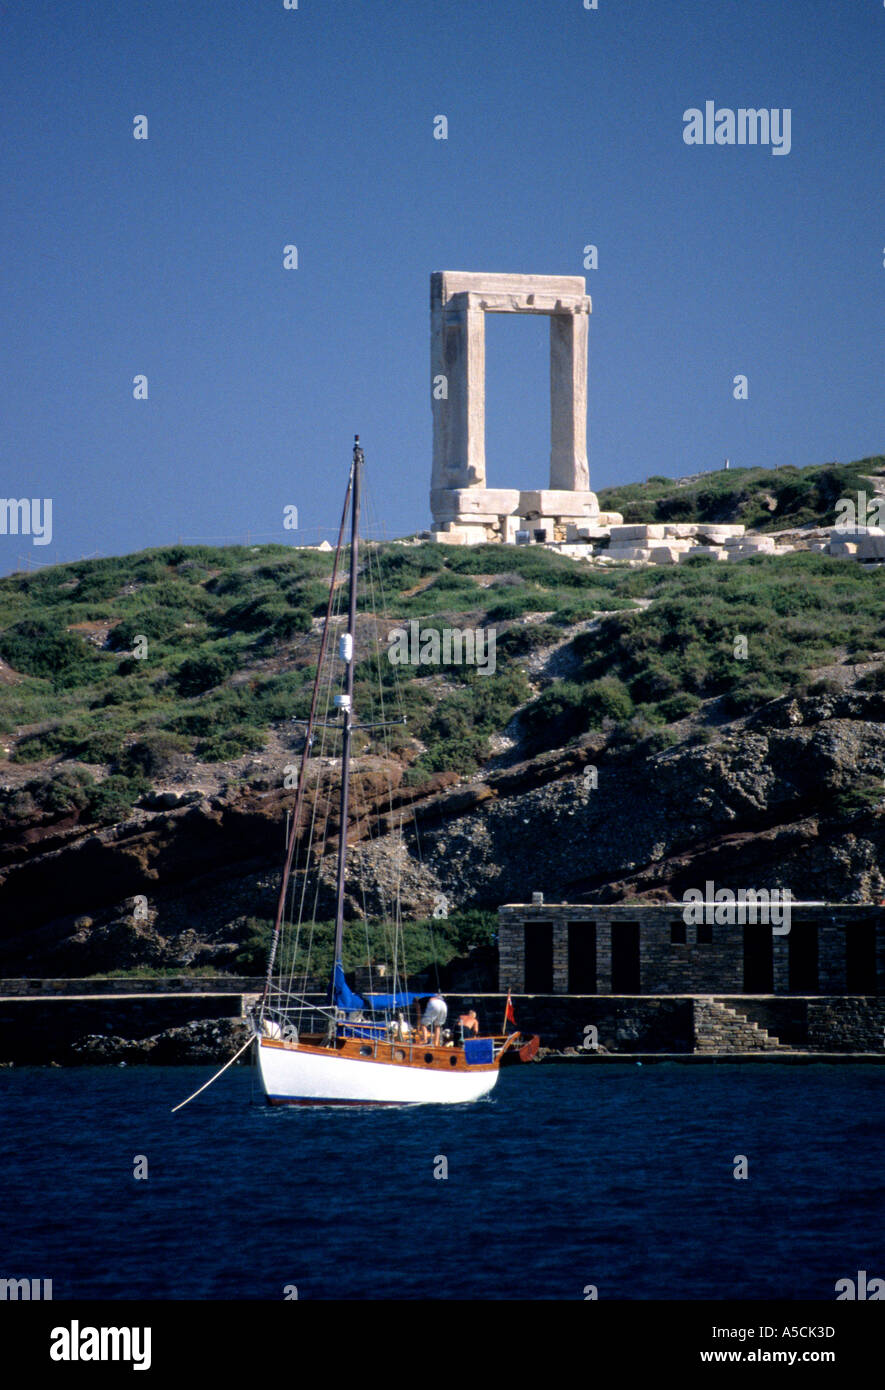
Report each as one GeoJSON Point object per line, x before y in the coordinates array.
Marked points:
{"type": "Point", "coordinates": [642, 731]}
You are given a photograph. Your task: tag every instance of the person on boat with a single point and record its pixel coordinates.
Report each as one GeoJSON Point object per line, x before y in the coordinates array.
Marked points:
{"type": "Point", "coordinates": [435, 1016]}
{"type": "Point", "coordinates": [469, 1022]}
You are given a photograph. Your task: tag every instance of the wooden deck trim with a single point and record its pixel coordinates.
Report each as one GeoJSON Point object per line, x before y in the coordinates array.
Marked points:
{"type": "Point", "coordinates": [385, 1052]}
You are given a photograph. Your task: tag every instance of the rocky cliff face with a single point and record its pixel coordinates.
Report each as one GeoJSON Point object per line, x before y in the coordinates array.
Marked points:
{"type": "Point", "coordinates": [760, 808]}
{"type": "Point", "coordinates": [789, 798]}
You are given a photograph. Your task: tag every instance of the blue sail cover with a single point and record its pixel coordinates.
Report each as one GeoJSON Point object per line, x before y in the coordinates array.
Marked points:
{"type": "Point", "coordinates": [343, 996]}
{"type": "Point", "coordinates": [397, 1001]}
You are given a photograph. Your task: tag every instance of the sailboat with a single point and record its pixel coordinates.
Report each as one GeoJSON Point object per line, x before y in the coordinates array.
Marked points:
{"type": "Point", "coordinates": [360, 1049]}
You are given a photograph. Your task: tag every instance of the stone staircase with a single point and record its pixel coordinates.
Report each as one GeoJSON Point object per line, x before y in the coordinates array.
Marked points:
{"type": "Point", "coordinates": [720, 1028]}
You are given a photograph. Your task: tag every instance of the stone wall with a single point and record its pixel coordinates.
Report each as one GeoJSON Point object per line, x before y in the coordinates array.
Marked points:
{"type": "Point", "coordinates": [631, 1024]}
{"type": "Point", "coordinates": [634, 1025]}
{"type": "Point", "coordinates": [851, 1024]}
{"type": "Point", "coordinates": [710, 960]}
{"type": "Point", "coordinates": [623, 1024]}
{"type": "Point", "coordinates": [25, 987]}
{"type": "Point", "coordinates": [34, 1031]}
{"type": "Point", "coordinates": [206, 1028]}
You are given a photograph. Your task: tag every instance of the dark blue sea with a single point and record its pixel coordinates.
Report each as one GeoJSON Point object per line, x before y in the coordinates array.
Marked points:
{"type": "Point", "coordinates": [620, 1177]}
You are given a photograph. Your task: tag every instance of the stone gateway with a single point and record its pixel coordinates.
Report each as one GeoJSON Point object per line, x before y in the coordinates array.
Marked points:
{"type": "Point", "coordinates": [465, 510]}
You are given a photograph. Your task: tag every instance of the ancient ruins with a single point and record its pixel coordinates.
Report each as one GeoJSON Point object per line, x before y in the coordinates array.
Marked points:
{"type": "Point", "coordinates": [465, 511]}
{"type": "Point", "coordinates": [566, 515]}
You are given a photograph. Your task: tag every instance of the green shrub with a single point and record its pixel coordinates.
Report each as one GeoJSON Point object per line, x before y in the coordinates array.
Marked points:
{"type": "Point", "coordinates": [282, 697]}
{"type": "Point", "coordinates": [113, 799]}
{"type": "Point", "coordinates": [514, 605]}
{"type": "Point", "coordinates": [447, 580]}
{"type": "Point", "coordinates": [863, 796]}
{"type": "Point", "coordinates": [607, 698]}
{"type": "Point", "coordinates": [253, 614]}
{"type": "Point", "coordinates": [100, 747]}
{"type": "Point", "coordinates": [36, 647]}
{"type": "Point", "coordinates": [679, 706]}
{"type": "Point", "coordinates": [459, 753]}
{"type": "Point", "coordinates": [750, 696]}
{"type": "Point", "coordinates": [232, 743]}
{"type": "Point", "coordinates": [201, 673]}
{"type": "Point", "coordinates": [678, 508]}
{"type": "Point", "coordinates": [639, 734]}
{"type": "Point", "coordinates": [115, 695]}
{"type": "Point", "coordinates": [872, 680]}
{"type": "Point", "coordinates": [286, 625]}
{"type": "Point", "coordinates": [657, 740]}
{"type": "Point", "coordinates": [60, 739]}
{"type": "Point", "coordinates": [155, 753]}
{"type": "Point", "coordinates": [654, 681]}
{"type": "Point", "coordinates": [156, 625]}
{"type": "Point", "coordinates": [457, 728]}
{"type": "Point", "coordinates": [251, 958]}
{"type": "Point", "coordinates": [825, 686]}
{"type": "Point", "coordinates": [518, 641]}
{"type": "Point", "coordinates": [568, 709]}
{"type": "Point", "coordinates": [68, 791]}
{"type": "Point", "coordinates": [59, 794]}
{"type": "Point", "coordinates": [700, 735]}
{"type": "Point", "coordinates": [799, 612]}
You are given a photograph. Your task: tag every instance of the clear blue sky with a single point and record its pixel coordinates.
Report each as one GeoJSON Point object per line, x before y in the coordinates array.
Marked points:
{"type": "Point", "coordinates": [270, 126]}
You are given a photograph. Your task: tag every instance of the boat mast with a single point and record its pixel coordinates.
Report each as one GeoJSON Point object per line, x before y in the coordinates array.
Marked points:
{"type": "Point", "coordinates": [347, 702]}
{"type": "Point", "coordinates": [305, 757]}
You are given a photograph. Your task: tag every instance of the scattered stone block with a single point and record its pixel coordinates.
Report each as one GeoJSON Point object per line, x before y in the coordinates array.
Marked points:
{"type": "Point", "coordinates": [871, 547]}
{"type": "Point", "coordinates": [854, 533]}
{"type": "Point", "coordinates": [628, 552]}
{"type": "Point", "coordinates": [447, 504]}
{"type": "Point", "coordinates": [591, 532]}
{"type": "Point", "coordinates": [751, 545]}
{"type": "Point", "coordinates": [714, 552]}
{"type": "Point", "coordinates": [579, 550]}
{"type": "Point", "coordinates": [467, 535]}
{"type": "Point", "coordinates": [746, 552]}
{"type": "Point", "coordinates": [718, 535]}
{"type": "Point", "coordinates": [672, 543]}
{"type": "Point", "coordinates": [552, 502]}
{"type": "Point", "coordinates": [447, 538]}
{"type": "Point", "coordinates": [629, 534]}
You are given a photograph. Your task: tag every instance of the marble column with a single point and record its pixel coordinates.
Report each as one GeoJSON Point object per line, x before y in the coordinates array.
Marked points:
{"type": "Point", "coordinates": [569, 469]}
{"type": "Point", "coordinates": [459, 355]}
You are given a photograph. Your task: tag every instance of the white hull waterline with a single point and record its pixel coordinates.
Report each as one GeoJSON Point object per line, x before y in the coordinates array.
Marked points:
{"type": "Point", "coordinates": [291, 1075]}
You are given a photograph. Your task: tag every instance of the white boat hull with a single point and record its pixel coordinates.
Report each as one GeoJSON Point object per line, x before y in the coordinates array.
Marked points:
{"type": "Point", "coordinates": [296, 1076]}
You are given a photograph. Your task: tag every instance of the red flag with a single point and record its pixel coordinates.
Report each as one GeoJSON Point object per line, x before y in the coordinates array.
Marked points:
{"type": "Point", "coordinates": [509, 1016]}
